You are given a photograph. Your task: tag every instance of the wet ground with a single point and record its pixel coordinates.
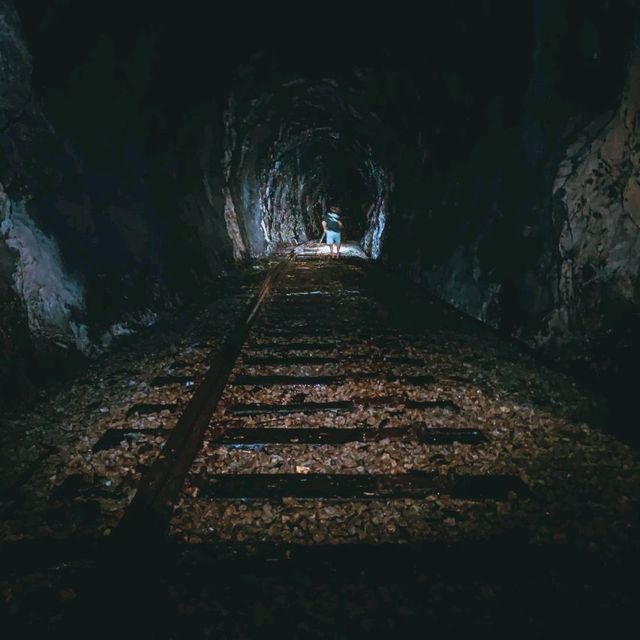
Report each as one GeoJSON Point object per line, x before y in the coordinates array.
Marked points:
{"type": "Point", "coordinates": [377, 464]}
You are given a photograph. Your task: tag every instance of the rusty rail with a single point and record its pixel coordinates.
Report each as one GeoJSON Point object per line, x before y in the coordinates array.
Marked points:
{"type": "Point", "coordinates": [149, 513]}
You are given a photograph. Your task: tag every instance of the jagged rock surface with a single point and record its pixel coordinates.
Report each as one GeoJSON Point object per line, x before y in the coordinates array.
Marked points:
{"type": "Point", "coordinates": [597, 204]}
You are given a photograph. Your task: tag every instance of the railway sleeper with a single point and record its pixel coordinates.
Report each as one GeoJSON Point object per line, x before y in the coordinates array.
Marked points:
{"type": "Point", "coordinates": [342, 405]}
{"type": "Point", "coordinates": [315, 486]}
{"type": "Point", "coordinates": [294, 346]}
{"type": "Point", "coordinates": [292, 332]}
{"type": "Point", "coordinates": [114, 437]}
{"type": "Point", "coordinates": [289, 360]}
{"type": "Point", "coordinates": [255, 436]}
{"type": "Point", "coordinates": [164, 381]}
{"type": "Point", "coordinates": [276, 380]}
{"type": "Point", "coordinates": [338, 342]}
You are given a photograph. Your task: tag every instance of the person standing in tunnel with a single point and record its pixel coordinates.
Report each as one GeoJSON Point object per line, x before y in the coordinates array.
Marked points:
{"type": "Point", "coordinates": [332, 225]}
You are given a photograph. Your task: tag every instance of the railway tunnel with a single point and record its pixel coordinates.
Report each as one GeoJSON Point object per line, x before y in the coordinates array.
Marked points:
{"type": "Point", "coordinates": [209, 427]}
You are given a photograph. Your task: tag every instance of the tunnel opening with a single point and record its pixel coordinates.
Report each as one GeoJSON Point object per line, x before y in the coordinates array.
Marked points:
{"type": "Point", "coordinates": [296, 147]}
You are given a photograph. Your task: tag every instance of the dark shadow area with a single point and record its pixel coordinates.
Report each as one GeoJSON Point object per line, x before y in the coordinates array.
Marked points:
{"type": "Point", "coordinates": [495, 586]}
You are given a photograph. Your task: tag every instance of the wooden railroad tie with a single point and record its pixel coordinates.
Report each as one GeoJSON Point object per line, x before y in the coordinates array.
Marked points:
{"type": "Point", "coordinates": [313, 486]}
{"type": "Point", "coordinates": [252, 436]}
{"type": "Point", "coordinates": [340, 405]}
{"type": "Point", "coordinates": [275, 380]}
{"type": "Point", "coordinates": [257, 436]}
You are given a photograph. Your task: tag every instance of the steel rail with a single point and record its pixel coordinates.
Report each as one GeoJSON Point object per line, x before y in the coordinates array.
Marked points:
{"type": "Point", "coordinates": [149, 513]}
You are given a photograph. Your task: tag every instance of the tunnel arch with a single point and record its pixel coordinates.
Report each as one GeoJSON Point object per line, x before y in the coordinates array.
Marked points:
{"type": "Point", "coordinates": [292, 144]}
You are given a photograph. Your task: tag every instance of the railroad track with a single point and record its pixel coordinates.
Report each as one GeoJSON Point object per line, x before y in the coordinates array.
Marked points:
{"type": "Point", "coordinates": [338, 442]}
{"type": "Point", "coordinates": [315, 361]}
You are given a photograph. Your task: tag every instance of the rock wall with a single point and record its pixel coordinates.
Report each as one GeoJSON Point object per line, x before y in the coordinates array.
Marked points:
{"type": "Point", "coordinates": [36, 293]}
{"type": "Point", "coordinates": [53, 298]}
{"type": "Point", "coordinates": [596, 199]}
{"type": "Point", "coordinates": [526, 215]}
{"type": "Point", "coordinates": [110, 209]}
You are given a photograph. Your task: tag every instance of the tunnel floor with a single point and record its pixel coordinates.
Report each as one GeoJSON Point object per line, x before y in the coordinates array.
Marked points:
{"type": "Point", "coordinates": [316, 249]}
{"type": "Point", "coordinates": [376, 463]}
